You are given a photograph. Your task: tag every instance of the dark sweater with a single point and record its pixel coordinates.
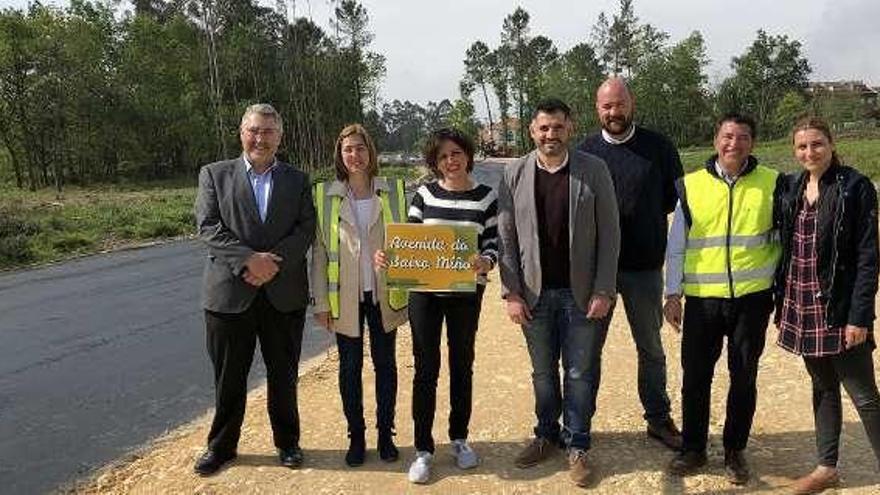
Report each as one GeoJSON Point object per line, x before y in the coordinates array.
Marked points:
{"type": "Point", "coordinates": [551, 203]}
{"type": "Point", "coordinates": [644, 170]}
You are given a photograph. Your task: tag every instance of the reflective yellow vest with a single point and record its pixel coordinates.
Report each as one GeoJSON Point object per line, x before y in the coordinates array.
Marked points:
{"type": "Point", "coordinates": [732, 249]}
{"type": "Point", "coordinates": [393, 205]}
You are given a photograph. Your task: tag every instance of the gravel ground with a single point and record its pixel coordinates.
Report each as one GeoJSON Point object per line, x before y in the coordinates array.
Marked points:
{"type": "Point", "coordinates": [625, 461]}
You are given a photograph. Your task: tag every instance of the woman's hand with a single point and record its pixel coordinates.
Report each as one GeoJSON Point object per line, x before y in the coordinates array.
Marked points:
{"type": "Point", "coordinates": [324, 320]}
{"type": "Point", "coordinates": [853, 335]}
{"type": "Point", "coordinates": [481, 264]}
{"type": "Point", "coordinates": [380, 260]}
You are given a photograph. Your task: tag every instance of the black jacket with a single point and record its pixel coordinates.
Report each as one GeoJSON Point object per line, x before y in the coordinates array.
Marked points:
{"type": "Point", "coordinates": [846, 243]}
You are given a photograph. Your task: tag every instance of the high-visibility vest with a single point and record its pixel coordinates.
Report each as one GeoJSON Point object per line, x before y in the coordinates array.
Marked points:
{"type": "Point", "coordinates": [393, 204]}
{"type": "Point", "coordinates": [732, 249]}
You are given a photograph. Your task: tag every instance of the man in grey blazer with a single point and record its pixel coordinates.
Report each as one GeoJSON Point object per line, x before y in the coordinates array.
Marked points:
{"type": "Point", "coordinates": [256, 217]}
{"type": "Point", "coordinates": [559, 239]}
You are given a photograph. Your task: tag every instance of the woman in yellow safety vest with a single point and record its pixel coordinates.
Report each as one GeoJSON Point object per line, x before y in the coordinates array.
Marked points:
{"type": "Point", "coordinates": [826, 289]}
{"type": "Point", "coordinates": [347, 290]}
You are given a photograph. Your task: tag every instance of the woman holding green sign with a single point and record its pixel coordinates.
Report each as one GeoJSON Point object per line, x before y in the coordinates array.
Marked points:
{"type": "Point", "coordinates": [453, 199]}
{"type": "Point", "coordinates": [348, 291]}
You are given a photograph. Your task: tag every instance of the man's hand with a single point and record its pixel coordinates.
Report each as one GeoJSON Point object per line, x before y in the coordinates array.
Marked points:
{"type": "Point", "coordinates": [599, 307]}
{"type": "Point", "coordinates": [672, 311]}
{"type": "Point", "coordinates": [261, 268]}
{"type": "Point", "coordinates": [323, 320]}
{"type": "Point", "coordinates": [481, 264]}
{"type": "Point", "coordinates": [380, 260]}
{"type": "Point", "coordinates": [853, 335]}
{"type": "Point", "coordinates": [518, 310]}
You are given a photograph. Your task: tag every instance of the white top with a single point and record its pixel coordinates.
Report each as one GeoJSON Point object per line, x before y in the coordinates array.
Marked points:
{"type": "Point", "coordinates": [552, 170]}
{"type": "Point", "coordinates": [363, 211]}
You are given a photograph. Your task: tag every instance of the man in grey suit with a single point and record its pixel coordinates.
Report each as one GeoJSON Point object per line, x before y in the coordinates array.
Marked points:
{"type": "Point", "coordinates": [559, 239]}
{"type": "Point", "coordinates": [256, 217]}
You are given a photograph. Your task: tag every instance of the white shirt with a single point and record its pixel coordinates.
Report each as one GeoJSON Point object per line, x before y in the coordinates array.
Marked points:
{"type": "Point", "coordinates": [363, 211]}
{"type": "Point", "coordinates": [552, 170]}
{"type": "Point", "coordinates": [613, 140]}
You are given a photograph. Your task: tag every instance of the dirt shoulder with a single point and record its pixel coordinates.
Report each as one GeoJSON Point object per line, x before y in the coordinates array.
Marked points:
{"type": "Point", "coordinates": [625, 461]}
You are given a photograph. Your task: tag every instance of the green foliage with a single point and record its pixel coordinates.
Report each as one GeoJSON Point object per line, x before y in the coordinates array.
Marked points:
{"type": "Point", "coordinates": [15, 234]}
{"type": "Point", "coordinates": [769, 69]}
{"type": "Point", "coordinates": [92, 97]}
{"type": "Point", "coordinates": [791, 107]}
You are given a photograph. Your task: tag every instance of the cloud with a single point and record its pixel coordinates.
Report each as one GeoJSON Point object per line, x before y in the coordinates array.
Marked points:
{"type": "Point", "coordinates": [844, 45]}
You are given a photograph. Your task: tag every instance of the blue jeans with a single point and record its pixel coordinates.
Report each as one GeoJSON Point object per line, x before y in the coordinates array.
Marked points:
{"type": "Point", "coordinates": [642, 294]}
{"type": "Point", "coordinates": [351, 363]}
{"type": "Point", "coordinates": [559, 328]}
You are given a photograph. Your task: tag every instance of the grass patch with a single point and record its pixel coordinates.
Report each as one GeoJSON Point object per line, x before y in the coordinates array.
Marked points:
{"type": "Point", "coordinates": [863, 154]}
{"type": "Point", "coordinates": [39, 227]}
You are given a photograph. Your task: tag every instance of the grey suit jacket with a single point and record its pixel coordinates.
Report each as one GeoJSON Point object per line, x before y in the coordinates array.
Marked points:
{"type": "Point", "coordinates": [594, 231]}
{"type": "Point", "coordinates": [229, 224]}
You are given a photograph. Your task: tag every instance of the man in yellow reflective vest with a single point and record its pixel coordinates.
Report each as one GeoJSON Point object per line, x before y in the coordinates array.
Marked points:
{"type": "Point", "coordinates": [721, 255]}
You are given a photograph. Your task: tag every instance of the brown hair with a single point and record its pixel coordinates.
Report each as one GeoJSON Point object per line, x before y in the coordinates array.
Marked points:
{"type": "Point", "coordinates": [436, 140]}
{"type": "Point", "coordinates": [816, 123]}
{"type": "Point", "coordinates": [355, 130]}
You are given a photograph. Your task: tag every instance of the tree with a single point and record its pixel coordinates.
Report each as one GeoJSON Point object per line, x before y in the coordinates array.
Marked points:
{"type": "Point", "coordinates": [791, 107]}
{"type": "Point", "coordinates": [623, 44]}
{"type": "Point", "coordinates": [367, 69]}
{"type": "Point", "coordinates": [671, 93]}
{"type": "Point", "coordinates": [574, 77]}
{"type": "Point", "coordinates": [771, 67]}
{"type": "Point", "coordinates": [476, 64]}
{"type": "Point", "coordinates": [462, 117]}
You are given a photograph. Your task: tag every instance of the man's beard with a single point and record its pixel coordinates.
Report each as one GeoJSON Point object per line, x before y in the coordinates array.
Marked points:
{"type": "Point", "coordinates": [624, 124]}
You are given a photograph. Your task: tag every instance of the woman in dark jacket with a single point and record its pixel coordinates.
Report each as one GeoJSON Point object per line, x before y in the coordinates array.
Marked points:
{"type": "Point", "coordinates": [826, 285]}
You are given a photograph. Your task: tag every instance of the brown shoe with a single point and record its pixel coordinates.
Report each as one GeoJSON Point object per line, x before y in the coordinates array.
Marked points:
{"type": "Point", "coordinates": [667, 433]}
{"type": "Point", "coordinates": [536, 451]}
{"type": "Point", "coordinates": [815, 483]}
{"type": "Point", "coordinates": [578, 468]}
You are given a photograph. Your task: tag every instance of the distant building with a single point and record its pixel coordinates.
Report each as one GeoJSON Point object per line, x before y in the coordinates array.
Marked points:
{"type": "Point", "coordinates": [495, 143]}
{"type": "Point", "coordinates": [867, 94]}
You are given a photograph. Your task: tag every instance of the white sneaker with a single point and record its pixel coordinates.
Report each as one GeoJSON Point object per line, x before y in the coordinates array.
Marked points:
{"type": "Point", "coordinates": [465, 457]}
{"type": "Point", "coordinates": [420, 469]}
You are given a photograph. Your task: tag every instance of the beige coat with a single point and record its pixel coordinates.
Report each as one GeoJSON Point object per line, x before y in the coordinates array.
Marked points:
{"type": "Point", "coordinates": [349, 265]}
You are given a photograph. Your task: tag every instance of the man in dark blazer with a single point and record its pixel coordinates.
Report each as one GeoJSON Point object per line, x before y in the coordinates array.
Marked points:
{"type": "Point", "coordinates": [559, 239]}
{"type": "Point", "coordinates": [256, 217]}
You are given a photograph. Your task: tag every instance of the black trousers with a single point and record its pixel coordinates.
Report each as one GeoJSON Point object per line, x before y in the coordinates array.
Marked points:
{"type": "Point", "coordinates": [855, 370]}
{"type": "Point", "coordinates": [707, 321]}
{"type": "Point", "coordinates": [231, 342]}
{"type": "Point", "coordinates": [426, 314]}
{"type": "Point", "coordinates": [351, 364]}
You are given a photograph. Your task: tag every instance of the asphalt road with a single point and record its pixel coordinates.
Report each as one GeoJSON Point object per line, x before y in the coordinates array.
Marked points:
{"type": "Point", "coordinates": [101, 354]}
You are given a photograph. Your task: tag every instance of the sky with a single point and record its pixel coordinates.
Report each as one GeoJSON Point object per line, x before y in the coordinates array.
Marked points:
{"type": "Point", "coordinates": [424, 41]}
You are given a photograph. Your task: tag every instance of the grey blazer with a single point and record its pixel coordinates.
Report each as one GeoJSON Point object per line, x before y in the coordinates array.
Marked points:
{"type": "Point", "coordinates": [229, 224]}
{"type": "Point", "coordinates": [594, 231]}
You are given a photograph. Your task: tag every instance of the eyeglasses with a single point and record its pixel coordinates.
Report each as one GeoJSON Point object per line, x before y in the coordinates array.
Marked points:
{"type": "Point", "coordinates": [261, 131]}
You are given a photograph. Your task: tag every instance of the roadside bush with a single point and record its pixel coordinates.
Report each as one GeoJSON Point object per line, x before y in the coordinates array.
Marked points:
{"type": "Point", "coordinates": [15, 239]}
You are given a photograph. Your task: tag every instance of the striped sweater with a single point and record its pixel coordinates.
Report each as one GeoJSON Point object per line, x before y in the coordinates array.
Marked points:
{"type": "Point", "coordinates": [477, 207]}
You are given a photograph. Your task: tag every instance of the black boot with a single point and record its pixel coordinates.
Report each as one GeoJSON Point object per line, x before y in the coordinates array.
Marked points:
{"type": "Point", "coordinates": [387, 450]}
{"type": "Point", "coordinates": [357, 447]}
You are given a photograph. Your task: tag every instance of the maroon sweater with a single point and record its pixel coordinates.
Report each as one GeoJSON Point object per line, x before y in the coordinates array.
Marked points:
{"type": "Point", "coordinates": [551, 201]}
